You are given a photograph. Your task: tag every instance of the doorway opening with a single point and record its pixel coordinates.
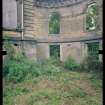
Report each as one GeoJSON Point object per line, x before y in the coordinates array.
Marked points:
{"type": "Point", "coordinates": [93, 49]}
{"type": "Point", "coordinates": [55, 51]}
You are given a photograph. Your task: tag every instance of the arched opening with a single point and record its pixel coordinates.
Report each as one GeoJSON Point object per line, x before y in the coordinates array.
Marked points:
{"type": "Point", "coordinates": [54, 23]}
{"type": "Point", "coordinates": [92, 17]}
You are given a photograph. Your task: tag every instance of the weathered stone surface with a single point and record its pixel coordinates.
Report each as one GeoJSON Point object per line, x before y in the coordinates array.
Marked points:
{"type": "Point", "coordinates": [42, 51]}
{"type": "Point", "coordinates": [28, 17]}
{"type": "Point", "coordinates": [9, 14]}
{"type": "Point", "coordinates": [74, 50]}
{"type": "Point", "coordinates": [72, 22]}
{"type": "Point", "coordinates": [36, 26]}
{"type": "Point", "coordinates": [30, 50]}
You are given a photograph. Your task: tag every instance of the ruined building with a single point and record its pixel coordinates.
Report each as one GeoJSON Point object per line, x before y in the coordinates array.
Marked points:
{"type": "Point", "coordinates": [46, 28]}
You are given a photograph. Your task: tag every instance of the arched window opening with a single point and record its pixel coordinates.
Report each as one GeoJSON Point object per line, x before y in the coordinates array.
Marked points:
{"type": "Point", "coordinates": [92, 17]}
{"type": "Point", "coordinates": [54, 23]}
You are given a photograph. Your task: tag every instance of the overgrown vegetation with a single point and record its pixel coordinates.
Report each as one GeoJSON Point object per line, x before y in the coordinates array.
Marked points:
{"type": "Point", "coordinates": [91, 64]}
{"type": "Point", "coordinates": [17, 71]}
{"type": "Point", "coordinates": [28, 82]}
{"type": "Point", "coordinates": [71, 64]}
{"type": "Point", "coordinates": [18, 67]}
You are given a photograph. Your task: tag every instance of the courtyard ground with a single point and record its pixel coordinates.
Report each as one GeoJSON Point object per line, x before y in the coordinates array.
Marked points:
{"type": "Point", "coordinates": [63, 88]}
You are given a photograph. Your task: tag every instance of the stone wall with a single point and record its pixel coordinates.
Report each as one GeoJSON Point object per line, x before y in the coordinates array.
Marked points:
{"type": "Point", "coordinates": [9, 13]}
{"type": "Point", "coordinates": [42, 51]}
{"type": "Point", "coordinates": [28, 17]}
{"type": "Point", "coordinates": [72, 25]}
{"type": "Point", "coordinates": [29, 49]}
{"type": "Point", "coordinates": [11, 34]}
{"type": "Point", "coordinates": [72, 20]}
{"type": "Point", "coordinates": [75, 50]}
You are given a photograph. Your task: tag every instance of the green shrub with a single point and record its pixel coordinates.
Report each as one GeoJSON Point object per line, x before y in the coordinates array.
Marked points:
{"type": "Point", "coordinates": [12, 53]}
{"type": "Point", "coordinates": [15, 71]}
{"type": "Point", "coordinates": [51, 61]}
{"type": "Point", "coordinates": [71, 64]}
{"type": "Point", "coordinates": [10, 49]}
{"type": "Point", "coordinates": [20, 70]}
{"type": "Point", "coordinates": [90, 63]}
{"type": "Point", "coordinates": [17, 67]}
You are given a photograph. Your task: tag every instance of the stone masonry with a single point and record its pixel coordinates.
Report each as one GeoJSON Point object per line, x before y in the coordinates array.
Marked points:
{"type": "Point", "coordinates": [36, 18]}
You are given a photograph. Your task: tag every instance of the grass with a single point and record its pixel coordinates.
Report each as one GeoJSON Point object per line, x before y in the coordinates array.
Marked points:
{"type": "Point", "coordinates": [47, 82]}
{"type": "Point", "coordinates": [63, 88]}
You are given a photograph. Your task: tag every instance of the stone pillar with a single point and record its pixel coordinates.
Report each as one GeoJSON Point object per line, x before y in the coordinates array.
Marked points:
{"type": "Point", "coordinates": [61, 52]}
{"type": "Point", "coordinates": [85, 50]}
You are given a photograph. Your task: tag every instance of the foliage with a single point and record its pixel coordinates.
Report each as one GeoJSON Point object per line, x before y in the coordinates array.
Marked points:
{"type": "Point", "coordinates": [54, 24]}
{"type": "Point", "coordinates": [51, 86]}
{"type": "Point", "coordinates": [51, 61]}
{"type": "Point", "coordinates": [18, 71]}
{"type": "Point", "coordinates": [62, 88]}
{"type": "Point", "coordinates": [55, 86]}
{"type": "Point", "coordinates": [91, 17]}
{"type": "Point", "coordinates": [54, 51]}
{"type": "Point", "coordinates": [91, 64]}
{"type": "Point", "coordinates": [71, 63]}
{"type": "Point", "coordinates": [90, 23]}
{"type": "Point", "coordinates": [93, 10]}
{"type": "Point", "coordinates": [9, 93]}
{"type": "Point", "coordinates": [17, 67]}
{"type": "Point", "coordinates": [11, 51]}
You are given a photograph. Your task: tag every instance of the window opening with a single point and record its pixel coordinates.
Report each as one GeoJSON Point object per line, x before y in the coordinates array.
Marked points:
{"type": "Point", "coordinates": [91, 17]}
{"type": "Point", "coordinates": [54, 23]}
{"type": "Point", "coordinates": [55, 51]}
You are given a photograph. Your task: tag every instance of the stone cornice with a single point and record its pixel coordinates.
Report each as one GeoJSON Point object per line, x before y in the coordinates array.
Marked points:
{"type": "Point", "coordinates": [57, 3]}
{"type": "Point", "coordinates": [57, 40]}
